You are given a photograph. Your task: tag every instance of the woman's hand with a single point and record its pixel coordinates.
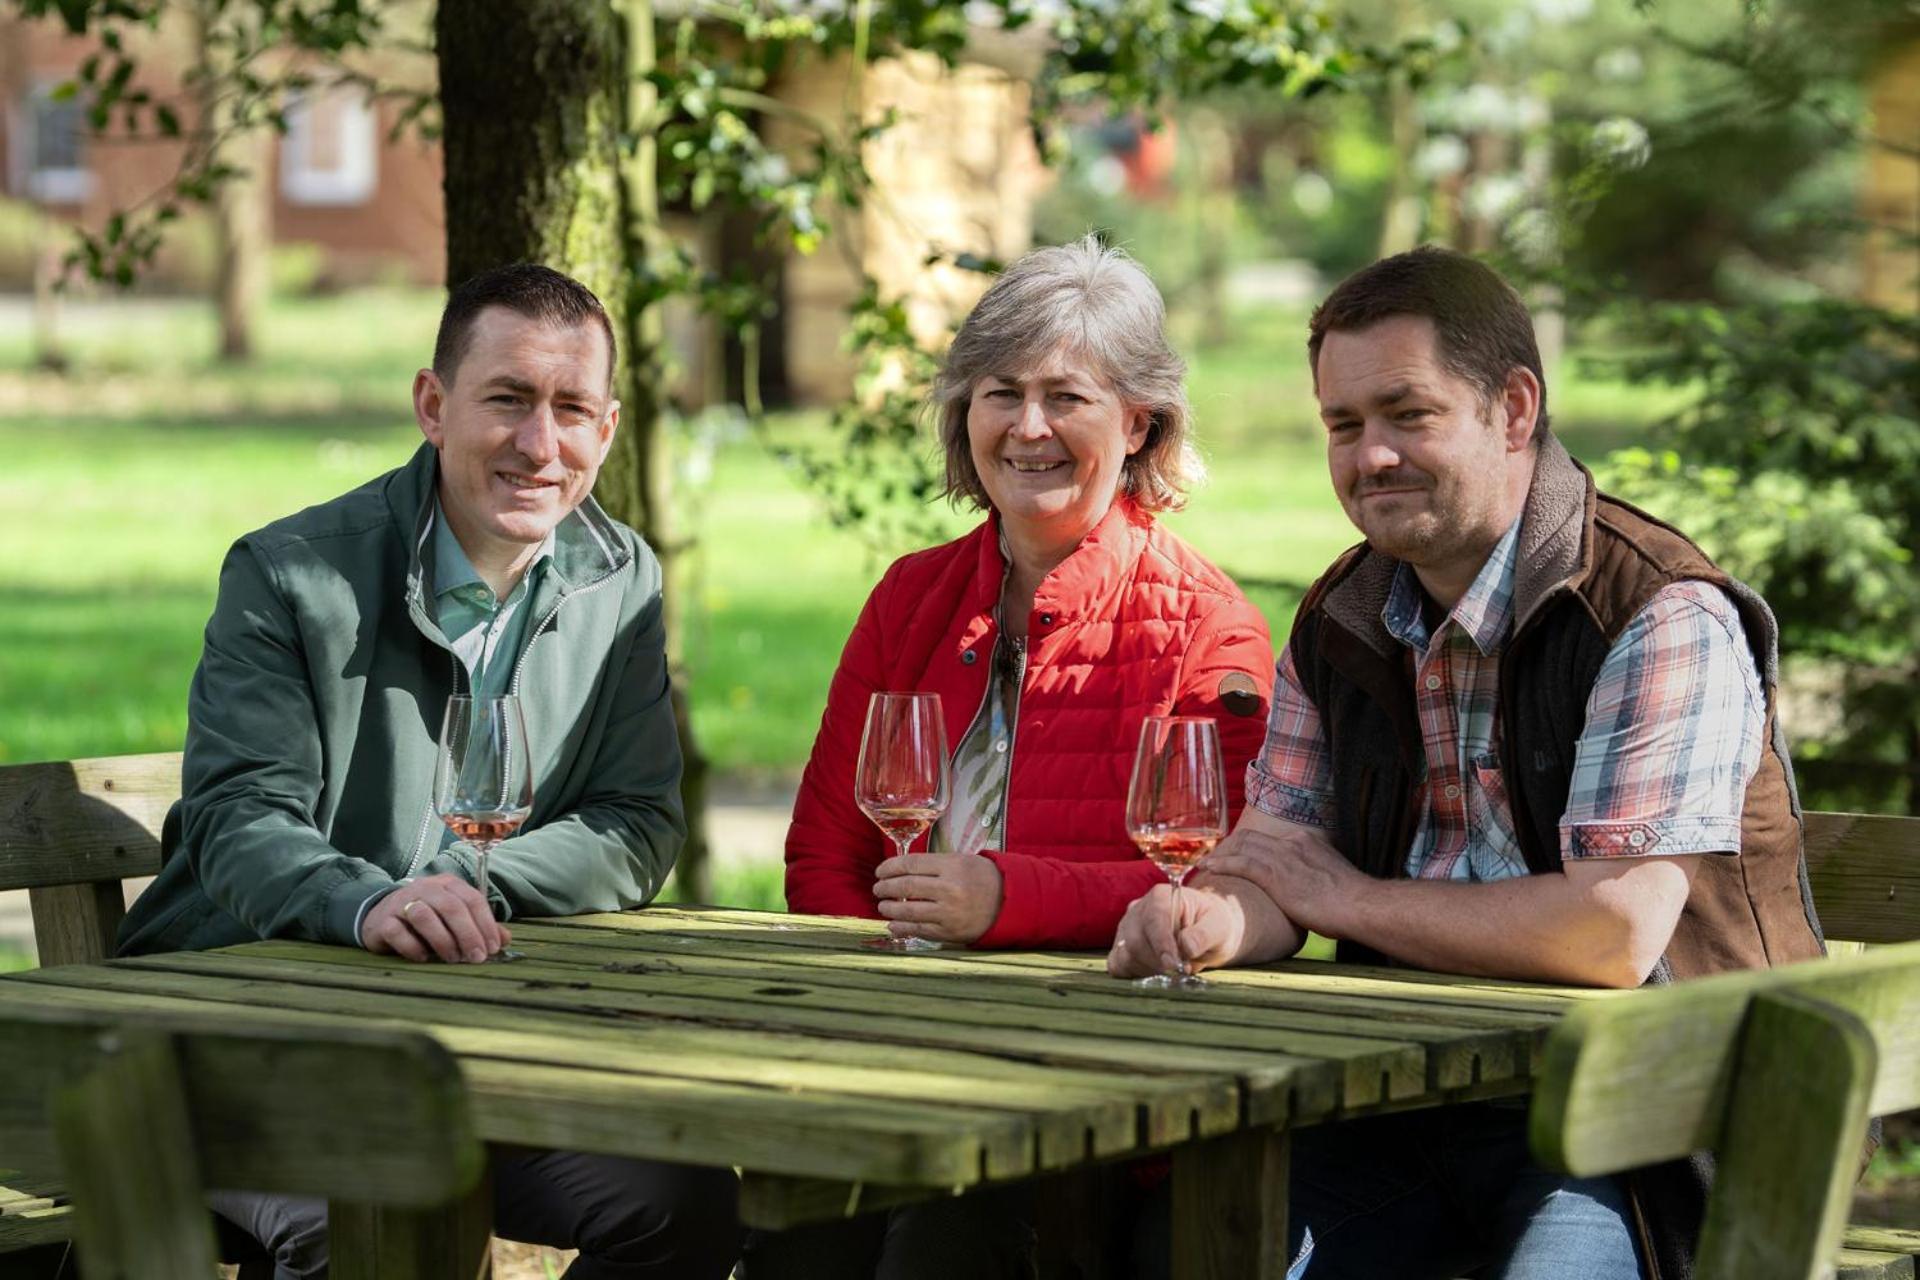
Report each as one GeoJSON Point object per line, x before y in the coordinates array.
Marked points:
{"type": "Point", "coordinates": [944, 897]}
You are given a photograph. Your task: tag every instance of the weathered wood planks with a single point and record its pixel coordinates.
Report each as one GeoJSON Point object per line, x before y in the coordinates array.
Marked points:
{"type": "Point", "coordinates": [1636, 1081]}
{"type": "Point", "coordinates": [84, 821]}
{"type": "Point", "coordinates": [140, 1108]}
{"type": "Point", "coordinates": [1865, 872]}
{"type": "Point", "coordinates": [70, 832]}
{"type": "Point", "coordinates": [838, 1076]}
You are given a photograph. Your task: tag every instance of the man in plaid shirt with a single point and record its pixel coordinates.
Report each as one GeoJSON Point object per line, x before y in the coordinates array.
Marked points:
{"type": "Point", "coordinates": [1523, 731]}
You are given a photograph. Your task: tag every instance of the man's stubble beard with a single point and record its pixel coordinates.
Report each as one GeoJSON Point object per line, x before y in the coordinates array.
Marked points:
{"type": "Point", "coordinates": [1445, 532]}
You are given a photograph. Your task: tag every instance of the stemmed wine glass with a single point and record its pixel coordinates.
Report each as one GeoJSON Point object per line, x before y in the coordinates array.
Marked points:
{"type": "Point", "coordinates": [483, 784]}
{"type": "Point", "coordinates": [1177, 810]}
{"type": "Point", "coordinates": [903, 778]}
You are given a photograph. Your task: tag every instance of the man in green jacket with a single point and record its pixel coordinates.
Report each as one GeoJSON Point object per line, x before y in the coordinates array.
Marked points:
{"type": "Point", "coordinates": [481, 566]}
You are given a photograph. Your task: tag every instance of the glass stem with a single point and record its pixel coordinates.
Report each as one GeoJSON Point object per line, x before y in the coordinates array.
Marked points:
{"type": "Point", "coordinates": [480, 852]}
{"type": "Point", "coordinates": [1173, 900]}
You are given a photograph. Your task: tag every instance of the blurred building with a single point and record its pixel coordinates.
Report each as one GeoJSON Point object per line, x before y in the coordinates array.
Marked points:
{"type": "Point", "coordinates": [958, 173]}
{"type": "Point", "coordinates": [1890, 199]}
{"type": "Point", "coordinates": [368, 203]}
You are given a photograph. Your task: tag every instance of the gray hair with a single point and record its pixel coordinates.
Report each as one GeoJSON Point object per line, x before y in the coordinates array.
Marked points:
{"type": "Point", "coordinates": [1094, 301]}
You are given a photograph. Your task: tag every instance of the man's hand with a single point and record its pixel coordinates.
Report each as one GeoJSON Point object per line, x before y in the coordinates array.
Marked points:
{"type": "Point", "coordinates": [1223, 921]}
{"type": "Point", "coordinates": [434, 918]}
{"type": "Point", "coordinates": [946, 897]}
{"type": "Point", "coordinates": [1306, 877]}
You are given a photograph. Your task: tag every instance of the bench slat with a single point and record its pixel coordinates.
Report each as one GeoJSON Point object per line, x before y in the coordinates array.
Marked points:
{"type": "Point", "coordinates": [1882, 1239]}
{"type": "Point", "coordinates": [1865, 872]}
{"type": "Point", "coordinates": [125, 1137]}
{"type": "Point", "coordinates": [32, 1228]}
{"type": "Point", "coordinates": [1790, 1140]}
{"type": "Point", "coordinates": [1863, 1264]}
{"type": "Point", "coordinates": [84, 821]}
{"type": "Point", "coordinates": [76, 923]}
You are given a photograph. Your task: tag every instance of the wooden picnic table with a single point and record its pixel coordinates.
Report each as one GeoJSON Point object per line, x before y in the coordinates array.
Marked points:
{"type": "Point", "coordinates": [840, 1078]}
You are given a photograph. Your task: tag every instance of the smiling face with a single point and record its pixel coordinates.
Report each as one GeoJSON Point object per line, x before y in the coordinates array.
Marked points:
{"type": "Point", "coordinates": [522, 429]}
{"type": "Point", "coordinates": [1428, 472]}
{"type": "Point", "coordinates": [1050, 444]}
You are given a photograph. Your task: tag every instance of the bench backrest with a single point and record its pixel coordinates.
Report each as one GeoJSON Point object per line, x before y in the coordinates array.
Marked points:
{"type": "Point", "coordinates": [70, 832]}
{"type": "Point", "coordinates": [1774, 1070]}
{"type": "Point", "coordinates": [141, 1112]}
{"type": "Point", "coordinates": [1865, 871]}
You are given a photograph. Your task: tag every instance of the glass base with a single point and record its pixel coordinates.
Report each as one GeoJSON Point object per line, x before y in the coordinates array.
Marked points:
{"type": "Point", "coordinates": [1173, 982]}
{"type": "Point", "coordinates": [891, 943]}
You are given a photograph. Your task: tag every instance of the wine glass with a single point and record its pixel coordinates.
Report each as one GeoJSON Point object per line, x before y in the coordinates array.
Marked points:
{"type": "Point", "coordinates": [1177, 810]}
{"type": "Point", "coordinates": [483, 784]}
{"type": "Point", "coordinates": [903, 778]}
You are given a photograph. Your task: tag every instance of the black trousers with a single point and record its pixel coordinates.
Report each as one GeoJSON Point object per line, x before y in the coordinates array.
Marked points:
{"type": "Point", "coordinates": [986, 1235]}
{"type": "Point", "coordinates": [630, 1219]}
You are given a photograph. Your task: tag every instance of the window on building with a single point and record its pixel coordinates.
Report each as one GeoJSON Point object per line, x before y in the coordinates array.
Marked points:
{"type": "Point", "coordinates": [51, 165]}
{"type": "Point", "coordinates": [329, 155]}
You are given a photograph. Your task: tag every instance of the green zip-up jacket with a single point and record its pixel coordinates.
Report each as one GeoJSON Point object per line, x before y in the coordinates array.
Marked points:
{"type": "Point", "coordinates": [307, 788]}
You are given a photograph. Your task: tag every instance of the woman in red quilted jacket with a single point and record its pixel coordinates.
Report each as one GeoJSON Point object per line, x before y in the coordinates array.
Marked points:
{"type": "Point", "coordinates": [1049, 632]}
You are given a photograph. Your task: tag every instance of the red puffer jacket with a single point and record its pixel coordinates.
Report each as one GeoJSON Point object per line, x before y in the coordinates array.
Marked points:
{"type": "Point", "coordinates": [1134, 623]}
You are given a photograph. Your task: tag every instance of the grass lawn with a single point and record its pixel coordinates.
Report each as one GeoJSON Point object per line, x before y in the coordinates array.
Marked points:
{"type": "Point", "coordinates": [128, 478]}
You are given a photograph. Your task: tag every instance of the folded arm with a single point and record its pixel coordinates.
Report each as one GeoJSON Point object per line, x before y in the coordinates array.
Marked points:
{"type": "Point", "coordinates": [1600, 922]}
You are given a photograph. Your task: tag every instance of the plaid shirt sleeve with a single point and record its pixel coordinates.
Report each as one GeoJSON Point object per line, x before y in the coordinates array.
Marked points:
{"type": "Point", "coordinates": [1673, 733]}
{"type": "Point", "coordinates": [1292, 777]}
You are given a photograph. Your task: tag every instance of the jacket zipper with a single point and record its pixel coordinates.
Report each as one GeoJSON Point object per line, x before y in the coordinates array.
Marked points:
{"type": "Point", "coordinates": [513, 686]}
{"type": "Point", "coordinates": [1013, 729]}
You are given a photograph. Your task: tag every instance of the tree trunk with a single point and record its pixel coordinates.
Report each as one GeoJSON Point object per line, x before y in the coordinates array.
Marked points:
{"type": "Point", "coordinates": [536, 95]}
{"type": "Point", "coordinates": [1400, 226]}
{"type": "Point", "coordinates": [47, 267]}
{"type": "Point", "coordinates": [240, 209]}
{"type": "Point", "coordinates": [240, 223]}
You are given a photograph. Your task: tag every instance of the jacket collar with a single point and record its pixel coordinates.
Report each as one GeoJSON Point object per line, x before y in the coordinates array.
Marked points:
{"type": "Point", "coordinates": [1554, 554]}
{"type": "Point", "coordinates": [586, 543]}
{"type": "Point", "coordinates": [1081, 585]}
{"type": "Point", "coordinates": [1087, 579]}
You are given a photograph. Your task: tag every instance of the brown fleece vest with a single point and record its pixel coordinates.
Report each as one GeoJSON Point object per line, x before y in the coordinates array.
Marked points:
{"type": "Point", "coordinates": [1586, 565]}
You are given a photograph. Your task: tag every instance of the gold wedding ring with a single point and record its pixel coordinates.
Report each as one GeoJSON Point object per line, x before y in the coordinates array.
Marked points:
{"type": "Point", "coordinates": [411, 904]}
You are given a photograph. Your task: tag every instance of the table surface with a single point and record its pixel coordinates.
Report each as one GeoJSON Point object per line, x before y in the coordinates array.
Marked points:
{"type": "Point", "coordinates": [776, 1043]}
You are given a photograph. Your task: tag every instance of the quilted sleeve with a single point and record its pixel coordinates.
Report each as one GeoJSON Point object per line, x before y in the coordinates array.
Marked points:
{"type": "Point", "coordinates": [832, 848]}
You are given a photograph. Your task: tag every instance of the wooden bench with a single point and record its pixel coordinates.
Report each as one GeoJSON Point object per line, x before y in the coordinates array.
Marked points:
{"type": "Point", "coordinates": [71, 832]}
{"type": "Point", "coordinates": [140, 1116]}
{"type": "Point", "coordinates": [1775, 1071]}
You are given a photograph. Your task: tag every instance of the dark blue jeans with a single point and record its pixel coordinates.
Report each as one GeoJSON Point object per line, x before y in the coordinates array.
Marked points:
{"type": "Point", "coordinates": [1450, 1193]}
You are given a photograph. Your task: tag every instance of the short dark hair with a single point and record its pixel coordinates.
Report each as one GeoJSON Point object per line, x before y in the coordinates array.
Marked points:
{"type": "Point", "coordinates": [1482, 331]}
{"type": "Point", "coordinates": [524, 288]}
